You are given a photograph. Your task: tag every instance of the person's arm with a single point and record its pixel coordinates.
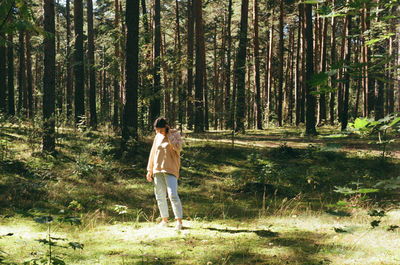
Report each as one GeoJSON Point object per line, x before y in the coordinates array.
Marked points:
{"type": "Point", "coordinates": [175, 140]}
{"type": "Point", "coordinates": [150, 164]}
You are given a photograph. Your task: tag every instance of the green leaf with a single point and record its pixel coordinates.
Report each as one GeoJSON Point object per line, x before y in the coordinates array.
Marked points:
{"type": "Point", "coordinates": [375, 223]}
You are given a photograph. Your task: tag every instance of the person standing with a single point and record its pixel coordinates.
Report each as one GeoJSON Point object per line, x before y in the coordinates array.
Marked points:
{"type": "Point", "coordinates": [163, 166]}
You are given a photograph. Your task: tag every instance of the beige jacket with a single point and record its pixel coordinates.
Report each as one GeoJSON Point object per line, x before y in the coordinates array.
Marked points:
{"type": "Point", "coordinates": [165, 154]}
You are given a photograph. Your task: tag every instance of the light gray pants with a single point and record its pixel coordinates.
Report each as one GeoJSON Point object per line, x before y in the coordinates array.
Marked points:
{"type": "Point", "coordinates": [164, 183]}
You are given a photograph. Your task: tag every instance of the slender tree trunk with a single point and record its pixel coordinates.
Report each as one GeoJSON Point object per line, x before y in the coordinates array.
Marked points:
{"type": "Point", "coordinates": [270, 52]}
{"type": "Point", "coordinates": [341, 88]}
{"type": "Point", "coordinates": [398, 75]}
{"type": "Point", "coordinates": [279, 104]}
{"type": "Point", "coordinates": [311, 100]}
{"type": "Point", "coordinates": [347, 76]}
{"type": "Point", "coordinates": [167, 97]}
{"type": "Point", "coordinates": [68, 61]}
{"type": "Point", "coordinates": [10, 75]}
{"type": "Point", "coordinates": [240, 71]}
{"type": "Point", "coordinates": [333, 77]}
{"type": "Point", "coordinates": [200, 66]}
{"type": "Point", "coordinates": [146, 90]}
{"type": "Point", "coordinates": [303, 66]}
{"type": "Point", "coordinates": [130, 120]}
{"type": "Point", "coordinates": [22, 103]}
{"type": "Point", "coordinates": [216, 80]}
{"type": "Point", "coordinates": [189, 81]}
{"type": "Point", "coordinates": [3, 75]}
{"type": "Point", "coordinates": [117, 74]}
{"type": "Point", "coordinates": [228, 101]}
{"type": "Point", "coordinates": [322, 97]}
{"type": "Point", "coordinates": [29, 74]}
{"type": "Point", "coordinates": [258, 109]}
{"type": "Point", "coordinates": [297, 78]}
{"type": "Point", "coordinates": [181, 91]}
{"type": "Point", "coordinates": [155, 102]}
{"type": "Point", "coordinates": [380, 76]}
{"type": "Point", "coordinates": [364, 61]}
{"type": "Point", "coordinates": [49, 78]}
{"type": "Point", "coordinates": [92, 73]}
{"type": "Point", "coordinates": [78, 62]}
{"type": "Point", "coordinates": [391, 76]}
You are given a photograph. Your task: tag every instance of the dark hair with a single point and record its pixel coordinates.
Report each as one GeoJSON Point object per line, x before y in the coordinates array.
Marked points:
{"type": "Point", "coordinates": [160, 123]}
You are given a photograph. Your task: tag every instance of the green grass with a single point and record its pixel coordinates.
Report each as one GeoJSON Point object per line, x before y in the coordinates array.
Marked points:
{"type": "Point", "coordinates": [222, 188]}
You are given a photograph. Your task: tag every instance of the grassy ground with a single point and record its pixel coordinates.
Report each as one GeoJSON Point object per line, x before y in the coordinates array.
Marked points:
{"type": "Point", "coordinates": [269, 199]}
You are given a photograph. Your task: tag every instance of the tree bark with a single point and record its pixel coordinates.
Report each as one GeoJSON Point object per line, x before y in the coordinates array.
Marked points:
{"type": "Point", "coordinates": [200, 67]}
{"type": "Point", "coordinates": [189, 81]}
{"type": "Point", "coordinates": [117, 74]}
{"type": "Point", "coordinates": [29, 75]}
{"type": "Point", "coordinates": [181, 91]}
{"type": "Point", "coordinates": [155, 102]}
{"type": "Point", "coordinates": [49, 78]}
{"type": "Point", "coordinates": [92, 73]}
{"type": "Point", "coordinates": [68, 61]}
{"type": "Point", "coordinates": [130, 120]}
{"type": "Point", "coordinates": [10, 75]}
{"type": "Point", "coordinates": [311, 100]}
{"type": "Point", "coordinates": [240, 70]}
{"type": "Point", "coordinates": [22, 103]}
{"type": "Point", "coordinates": [228, 102]}
{"type": "Point", "coordinates": [279, 104]}
{"type": "Point", "coordinates": [3, 75]}
{"type": "Point", "coordinates": [258, 109]}
{"type": "Point", "coordinates": [78, 62]}
{"type": "Point", "coordinates": [345, 114]}
{"type": "Point", "coordinates": [297, 71]}
{"type": "Point", "coordinates": [322, 97]}
{"type": "Point", "coordinates": [333, 77]}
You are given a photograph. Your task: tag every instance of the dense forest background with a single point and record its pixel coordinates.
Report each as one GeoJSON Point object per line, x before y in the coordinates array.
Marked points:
{"type": "Point", "coordinates": [205, 65]}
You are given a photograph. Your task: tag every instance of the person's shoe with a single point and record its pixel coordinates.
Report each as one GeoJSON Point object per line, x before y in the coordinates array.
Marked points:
{"type": "Point", "coordinates": [163, 224]}
{"type": "Point", "coordinates": [178, 227]}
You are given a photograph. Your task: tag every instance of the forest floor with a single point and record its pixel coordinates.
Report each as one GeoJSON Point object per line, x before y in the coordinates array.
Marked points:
{"type": "Point", "coordinates": [274, 197]}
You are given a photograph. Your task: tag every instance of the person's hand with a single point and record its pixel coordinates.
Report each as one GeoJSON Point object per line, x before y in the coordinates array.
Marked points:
{"type": "Point", "coordinates": [149, 178]}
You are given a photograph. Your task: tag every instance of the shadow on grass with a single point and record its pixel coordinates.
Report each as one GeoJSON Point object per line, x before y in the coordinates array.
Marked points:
{"type": "Point", "coordinates": [260, 233]}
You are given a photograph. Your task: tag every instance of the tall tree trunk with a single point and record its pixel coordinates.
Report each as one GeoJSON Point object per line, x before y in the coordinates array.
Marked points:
{"type": "Point", "coordinates": [146, 90]}
{"type": "Point", "coordinates": [398, 75]}
{"type": "Point", "coordinates": [190, 32]}
{"type": "Point", "coordinates": [258, 109]}
{"type": "Point", "coordinates": [341, 88]}
{"type": "Point", "coordinates": [167, 96]}
{"type": "Point", "coordinates": [240, 70]}
{"type": "Point", "coordinates": [333, 77]}
{"type": "Point", "coordinates": [68, 61]}
{"type": "Point", "coordinates": [49, 78]}
{"type": "Point", "coordinates": [303, 65]}
{"type": "Point", "coordinates": [311, 100]}
{"type": "Point", "coordinates": [181, 91]}
{"type": "Point", "coordinates": [216, 80]}
{"type": "Point", "coordinates": [155, 102]}
{"type": "Point", "coordinates": [10, 75]}
{"type": "Point", "coordinates": [345, 113]}
{"type": "Point", "coordinates": [322, 97]}
{"type": "Point", "coordinates": [200, 67]}
{"type": "Point", "coordinates": [29, 74]}
{"type": "Point", "coordinates": [297, 78]}
{"type": "Point", "coordinates": [92, 73]}
{"type": "Point", "coordinates": [364, 61]}
{"type": "Point", "coordinates": [78, 62]}
{"type": "Point", "coordinates": [279, 104]}
{"type": "Point", "coordinates": [392, 62]}
{"type": "Point", "coordinates": [117, 74]}
{"type": "Point", "coordinates": [3, 75]}
{"type": "Point", "coordinates": [22, 103]}
{"type": "Point", "coordinates": [130, 120]}
{"type": "Point", "coordinates": [380, 76]}
{"type": "Point", "coordinates": [228, 101]}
